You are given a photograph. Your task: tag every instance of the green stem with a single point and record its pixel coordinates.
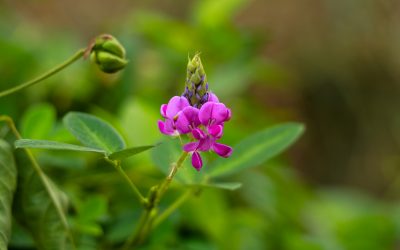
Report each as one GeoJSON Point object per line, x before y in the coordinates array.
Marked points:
{"type": "Point", "coordinates": [150, 214]}
{"type": "Point", "coordinates": [46, 75]}
{"type": "Point", "coordinates": [175, 166]}
{"type": "Point", "coordinates": [174, 206]}
{"type": "Point", "coordinates": [117, 166]}
{"type": "Point", "coordinates": [43, 178]}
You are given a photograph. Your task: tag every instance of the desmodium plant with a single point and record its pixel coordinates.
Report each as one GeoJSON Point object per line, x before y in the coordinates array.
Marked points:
{"type": "Point", "coordinates": [197, 118]}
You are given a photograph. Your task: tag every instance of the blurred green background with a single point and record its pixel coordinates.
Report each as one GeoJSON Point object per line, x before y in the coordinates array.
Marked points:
{"type": "Point", "coordinates": [333, 65]}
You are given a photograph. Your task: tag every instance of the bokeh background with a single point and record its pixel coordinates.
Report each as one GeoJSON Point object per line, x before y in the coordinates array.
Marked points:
{"type": "Point", "coordinates": [332, 65]}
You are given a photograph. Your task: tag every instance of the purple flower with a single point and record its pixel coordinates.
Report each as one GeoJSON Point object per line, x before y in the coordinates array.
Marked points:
{"type": "Point", "coordinates": [204, 125]}
{"type": "Point", "coordinates": [171, 113]}
{"type": "Point", "coordinates": [212, 115]}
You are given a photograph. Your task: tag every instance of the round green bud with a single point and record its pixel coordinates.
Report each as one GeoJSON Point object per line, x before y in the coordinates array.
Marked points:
{"type": "Point", "coordinates": [108, 54]}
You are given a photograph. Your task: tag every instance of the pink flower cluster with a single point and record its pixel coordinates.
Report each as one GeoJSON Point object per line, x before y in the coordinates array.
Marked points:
{"type": "Point", "coordinates": [205, 125]}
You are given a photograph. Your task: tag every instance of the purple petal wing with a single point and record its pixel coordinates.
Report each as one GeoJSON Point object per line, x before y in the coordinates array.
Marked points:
{"type": "Point", "coordinates": [187, 120]}
{"type": "Point", "coordinates": [216, 131]}
{"type": "Point", "coordinates": [163, 110]}
{"type": "Point", "coordinates": [165, 127]}
{"type": "Point", "coordinates": [205, 144]}
{"type": "Point", "coordinates": [213, 113]}
{"type": "Point", "coordinates": [222, 150]}
{"type": "Point", "coordinates": [198, 134]}
{"type": "Point", "coordinates": [205, 113]}
{"type": "Point", "coordinates": [190, 147]}
{"type": "Point", "coordinates": [197, 162]}
{"type": "Point", "coordinates": [212, 97]}
{"type": "Point", "coordinates": [176, 104]}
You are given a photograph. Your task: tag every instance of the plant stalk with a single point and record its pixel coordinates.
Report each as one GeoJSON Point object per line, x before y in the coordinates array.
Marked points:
{"type": "Point", "coordinates": [46, 75]}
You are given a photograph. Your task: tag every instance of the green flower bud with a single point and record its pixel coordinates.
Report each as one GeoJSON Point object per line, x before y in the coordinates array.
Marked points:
{"type": "Point", "coordinates": [196, 90]}
{"type": "Point", "coordinates": [108, 54]}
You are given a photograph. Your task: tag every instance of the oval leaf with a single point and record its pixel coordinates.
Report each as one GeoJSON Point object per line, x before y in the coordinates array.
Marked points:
{"type": "Point", "coordinates": [257, 148]}
{"type": "Point", "coordinates": [125, 153]}
{"type": "Point", "coordinates": [94, 132]}
{"type": "Point", "coordinates": [40, 207]}
{"type": "Point", "coordinates": [28, 143]}
{"type": "Point", "coordinates": [8, 181]}
{"type": "Point", "coordinates": [223, 185]}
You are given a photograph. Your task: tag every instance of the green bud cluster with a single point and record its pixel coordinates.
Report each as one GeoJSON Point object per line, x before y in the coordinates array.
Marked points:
{"type": "Point", "coordinates": [196, 90]}
{"type": "Point", "coordinates": [108, 54]}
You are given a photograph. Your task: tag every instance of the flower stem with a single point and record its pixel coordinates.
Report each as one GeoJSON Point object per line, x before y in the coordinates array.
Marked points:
{"type": "Point", "coordinates": [46, 75]}
{"type": "Point", "coordinates": [117, 166]}
{"type": "Point", "coordinates": [167, 212]}
{"type": "Point", "coordinates": [151, 211]}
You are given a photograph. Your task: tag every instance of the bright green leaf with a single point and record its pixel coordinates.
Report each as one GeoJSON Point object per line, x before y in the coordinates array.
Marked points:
{"type": "Point", "coordinates": [125, 153]}
{"type": "Point", "coordinates": [27, 143]}
{"type": "Point", "coordinates": [8, 181]}
{"type": "Point", "coordinates": [40, 207]}
{"type": "Point", "coordinates": [94, 132]}
{"type": "Point", "coordinates": [257, 148]}
{"type": "Point", "coordinates": [38, 121]}
{"type": "Point", "coordinates": [224, 185]}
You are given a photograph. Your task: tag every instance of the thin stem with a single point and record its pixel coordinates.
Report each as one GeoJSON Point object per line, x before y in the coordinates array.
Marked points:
{"type": "Point", "coordinates": [46, 75]}
{"type": "Point", "coordinates": [117, 166]}
{"type": "Point", "coordinates": [42, 177]}
{"type": "Point", "coordinates": [175, 166]}
{"type": "Point", "coordinates": [174, 206]}
{"type": "Point", "coordinates": [150, 214]}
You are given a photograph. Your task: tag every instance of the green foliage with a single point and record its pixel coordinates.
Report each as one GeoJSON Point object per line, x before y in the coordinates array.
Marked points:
{"type": "Point", "coordinates": [256, 149]}
{"type": "Point", "coordinates": [89, 214]}
{"type": "Point", "coordinates": [224, 185]}
{"type": "Point", "coordinates": [94, 132]}
{"type": "Point", "coordinates": [8, 182]}
{"type": "Point", "coordinates": [125, 153]}
{"type": "Point", "coordinates": [38, 121]}
{"type": "Point", "coordinates": [168, 152]}
{"type": "Point", "coordinates": [54, 145]}
{"type": "Point", "coordinates": [40, 204]}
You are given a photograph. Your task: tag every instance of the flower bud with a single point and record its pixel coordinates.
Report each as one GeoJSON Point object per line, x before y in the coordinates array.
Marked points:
{"type": "Point", "coordinates": [108, 54]}
{"type": "Point", "coordinates": [196, 90]}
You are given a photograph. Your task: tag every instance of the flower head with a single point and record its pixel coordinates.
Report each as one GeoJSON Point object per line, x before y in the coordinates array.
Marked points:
{"type": "Point", "coordinates": [198, 114]}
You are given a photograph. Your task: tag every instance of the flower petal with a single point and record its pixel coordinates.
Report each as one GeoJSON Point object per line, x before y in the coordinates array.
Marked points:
{"type": "Point", "coordinates": [197, 162]}
{"type": "Point", "coordinates": [216, 131]}
{"type": "Point", "coordinates": [222, 150]}
{"type": "Point", "coordinates": [198, 134]}
{"type": "Point", "coordinates": [213, 113]}
{"type": "Point", "coordinates": [163, 110]}
{"type": "Point", "coordinates": [176, 104]}
{"type": "Point", "coordinates": [212, 97]}
{"type": "Point", "coordinates": [205, 144]}
{"type": "Point", "coordinates": [165, 128]}
{"type": "Point", "coordinates": [187, 120]}
{"type": "Point", "coordinates": [190, 147]}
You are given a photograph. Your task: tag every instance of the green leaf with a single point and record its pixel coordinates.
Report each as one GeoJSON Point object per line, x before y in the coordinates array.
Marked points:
{"type": "Point", "coordinates": [39, 206]}
{"type": "Point", "coordinates": [28, 143]}
{"type": "Point", "coordinates": [257, 148]}
{"type": "Point", "coordinates": [8, 182]}
{"type": "Point", "coordinates": [125, 153]}
{"type": "Point", "coordinates": [38, 121]}
{"type": "Point", "coordinates": [168, 152]}
{"type": "Point", "coordinates": [94, 132]}
{"type": "Point", "coordinates": [224, 185]}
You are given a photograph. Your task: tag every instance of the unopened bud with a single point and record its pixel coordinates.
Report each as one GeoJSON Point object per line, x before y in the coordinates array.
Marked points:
{"type": "Point", "coordinates": [196, 90]}
{"type": "Point", "coordinates": [108, 54]}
